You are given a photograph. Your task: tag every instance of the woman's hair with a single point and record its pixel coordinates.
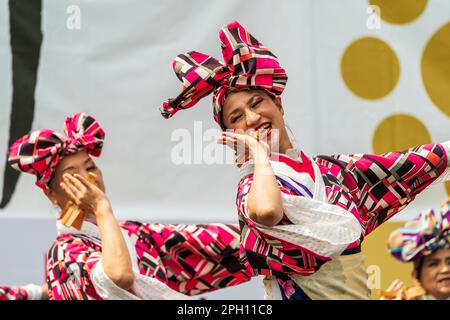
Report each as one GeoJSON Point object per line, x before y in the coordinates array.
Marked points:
{"type": "Point", "coordinates": [290, 134]}
{"type": "Point", "coordinates": [418, 264]}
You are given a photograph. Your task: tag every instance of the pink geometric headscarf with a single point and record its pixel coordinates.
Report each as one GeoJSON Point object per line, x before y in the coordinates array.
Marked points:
{"type": "Point", "coordinates": [248, 65]}
{"type": "Point", "coordinates": [40, 152]}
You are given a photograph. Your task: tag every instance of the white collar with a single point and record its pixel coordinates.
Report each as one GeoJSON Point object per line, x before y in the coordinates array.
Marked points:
{"type": "Point", "coordinates": [87, 228]}
{"type": "Point", "coordinates": [248, 166]}
{"type": "Point", "coordinates": [294, 154]}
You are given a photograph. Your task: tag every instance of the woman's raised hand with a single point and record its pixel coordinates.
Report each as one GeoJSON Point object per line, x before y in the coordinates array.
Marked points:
{"type": "Point", "coordinates": [87, 196]}
{"type": "Point", "coordinates": [245, 145]}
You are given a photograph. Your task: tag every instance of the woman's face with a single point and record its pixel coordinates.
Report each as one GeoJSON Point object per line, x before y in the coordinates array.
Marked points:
{"type": "Point", "coordinates": [256, 110]}
{"type": "Point", "coordinates": [80, 163]}
{"type": "Point", "coordinates": [435, 274]}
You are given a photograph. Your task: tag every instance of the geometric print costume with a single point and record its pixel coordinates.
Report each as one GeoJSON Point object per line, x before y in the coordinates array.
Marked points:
{"type": "Point", "coordinates": [330, 202]}
{"type": "Point", "coordinates": [370, 188]}
{"type": "Point", "coordinates": [169, 261]}
{"type": "Point", "coordinates": [180, 259]}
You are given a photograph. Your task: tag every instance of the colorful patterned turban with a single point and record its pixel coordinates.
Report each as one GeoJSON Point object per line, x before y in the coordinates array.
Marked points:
{"type": "Point", "coordinates": [249, 65]}
{"type": "Point", "coordinates": [422, 236]}
{"type": "Point", "coordinates": [40, 152]}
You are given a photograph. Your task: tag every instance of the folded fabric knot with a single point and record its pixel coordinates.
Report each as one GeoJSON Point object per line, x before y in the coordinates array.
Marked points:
{"type": "Point", "coordinates": [248, 65]}
{"type": "Point", "coordinates": [41, 151]}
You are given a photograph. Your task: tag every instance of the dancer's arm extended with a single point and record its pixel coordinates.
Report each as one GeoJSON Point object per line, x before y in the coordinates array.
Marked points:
{"type": "Point", "coordinates": [382, 185]}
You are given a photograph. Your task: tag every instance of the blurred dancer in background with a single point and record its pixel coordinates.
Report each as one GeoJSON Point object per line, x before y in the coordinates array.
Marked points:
{"type": "Point", "coordinates": [424, 242]}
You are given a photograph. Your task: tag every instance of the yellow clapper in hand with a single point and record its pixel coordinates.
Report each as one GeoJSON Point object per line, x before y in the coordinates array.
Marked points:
{"type": "Point", "coordinates": [72, 216]}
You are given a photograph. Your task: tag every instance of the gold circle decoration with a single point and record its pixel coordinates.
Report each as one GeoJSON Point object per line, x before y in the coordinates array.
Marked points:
{"type": "Point", "coordinates": [370, 68]}
{"type": "Point", "coordinates": [447, 187]}
{"type": "Point", "coordinates": [399, 132]}
{"type": "Point", "coordinates": [400, 11]}
{"type": "Point", "coordinates": [436, 68]}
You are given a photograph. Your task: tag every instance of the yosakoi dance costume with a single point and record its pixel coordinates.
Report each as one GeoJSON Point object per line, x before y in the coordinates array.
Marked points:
{"type": "Point", "coordinates": [329, 203]}
{"type": "Point", "coordinates": [168, 261]}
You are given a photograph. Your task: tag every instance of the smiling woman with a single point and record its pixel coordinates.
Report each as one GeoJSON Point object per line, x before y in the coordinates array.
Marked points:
{"type": "Point", "coordinates": [302, 219]}
{"type": "Point", "coordinates": [105, 259]}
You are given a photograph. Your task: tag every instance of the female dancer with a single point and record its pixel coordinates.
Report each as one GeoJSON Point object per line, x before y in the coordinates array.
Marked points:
{"type": "Point", "coordinates": [297, 212]}
{"type": "Point", "coordinates": [108, 260]}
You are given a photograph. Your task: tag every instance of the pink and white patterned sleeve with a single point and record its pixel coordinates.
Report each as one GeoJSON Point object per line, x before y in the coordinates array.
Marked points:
{"type": "Point", "coordinates": [69, 266]}
{"type": "Point", "coordinates": [198, 258]}
{"type": "Point", "coordinates": [382, 185]}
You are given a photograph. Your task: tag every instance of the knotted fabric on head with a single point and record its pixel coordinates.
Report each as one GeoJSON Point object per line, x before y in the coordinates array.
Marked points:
{"type": "Point", "coordinates": [248, 65]}
{"type": "Point", "coordinates": [429, 232]}
{"type": "Point", "coordinates": [40, 152]}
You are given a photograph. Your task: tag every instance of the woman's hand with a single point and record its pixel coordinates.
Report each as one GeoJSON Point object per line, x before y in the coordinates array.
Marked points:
{"type": "Point", "coordinates": [44, 289]}
{"type": "Point", "coordinates": [87, 196]}
{"type": "Point", "coordinates": [115, 256]}
{"type": "Point", "coordinates": [252, 145]}
{"type": "Point", "coordinates": [264, 199]}
{"type": "Point", "coordinates": [395, 291]}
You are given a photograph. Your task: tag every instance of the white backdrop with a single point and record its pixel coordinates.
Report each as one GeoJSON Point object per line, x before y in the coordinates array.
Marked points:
{"type": "Point", "coordinates": [117, 67]}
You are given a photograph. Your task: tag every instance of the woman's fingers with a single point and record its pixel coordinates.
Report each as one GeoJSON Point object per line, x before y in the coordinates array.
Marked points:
{"type": "Point", "coordinates": [234, 144]}
{"type": "Point", "coordinates": [70, 193]}
{"type": "Point", "coordinates": [239, 141]}
{"type": "Point", "coordinates": [84, 181]}
{"type": "Point", "coordinates": [230, 133]}
{"type": "Point", "coordinates": [222, 140]}
{"type": "Point", "coordinates": [235, 137]}
{"type": "Point", "coordinates": [238, 136]}
{"type": "Point", "coordinates": [242, 144]}
{"type": "Point", "coordinates": [226, 140]}
{"type": "Point", "coordinates": [75, 182]}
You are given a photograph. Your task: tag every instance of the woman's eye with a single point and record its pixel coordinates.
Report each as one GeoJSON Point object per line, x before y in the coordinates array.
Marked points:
{"type": "Point", "coordinates": [254, 105]}
{"type": "Point", "coordinates": [236, 118]}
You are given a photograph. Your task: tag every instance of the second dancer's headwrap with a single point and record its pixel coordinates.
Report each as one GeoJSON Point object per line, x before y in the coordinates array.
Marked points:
{"type": "Point", "coordinates": [248, 65]}
{"type": "Point", "coordinates": [40, 152]}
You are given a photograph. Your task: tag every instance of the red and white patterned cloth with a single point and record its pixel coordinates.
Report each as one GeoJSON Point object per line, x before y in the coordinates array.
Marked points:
{"type": "Point", "coordinates": [368, 189]}
{"type": "Point", "coordinates": [248, 65]}
{"type": "Point", "coordinates": [28, 292]}
{"type": "Point", "coordinates": [170, 261]}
